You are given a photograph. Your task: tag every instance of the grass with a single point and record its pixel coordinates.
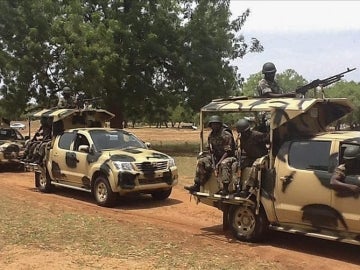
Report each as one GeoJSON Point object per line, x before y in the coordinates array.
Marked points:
{"type": "Point", "coordinates": [25, 224]}
{"type": "Point", "coordinates": [22, 224]}
{"type": "Point", "coordinates": [176, 148]}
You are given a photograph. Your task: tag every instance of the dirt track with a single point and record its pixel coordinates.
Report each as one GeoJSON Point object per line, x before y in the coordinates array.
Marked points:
{"type": "Point", "coordinates": [180, 215]}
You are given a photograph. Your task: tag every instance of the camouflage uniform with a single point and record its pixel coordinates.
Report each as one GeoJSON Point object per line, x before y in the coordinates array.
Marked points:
{"type": "Point", "coordinates": [338, 182]}
{"type": "Point", "coordinates": [66, 103]}
{"type": "Point", "coordinates": [35, 149]}
{"type": "Point", "coordinates": [340, 173]}
{"type": "Point", "coordinates": [266, 86]}
{"type": "Point", "coordinates": [219, 143]}
{"type": "Point", "coordinates": [39, 151]}
{"type": "Point", "coordinates": [254, 144]}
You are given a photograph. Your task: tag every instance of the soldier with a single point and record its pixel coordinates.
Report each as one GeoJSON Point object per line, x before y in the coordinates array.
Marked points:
{"type": "Point", "coordinates": [349, 167]}
{"type": "Point", "coordinates": [267, 86]}
{"type": "Point", "coordinates": [35, 148]}
{"type": "Point", "coordinates": [66, 101]}
{"type": "Point", "coordinates": [221, 158]}
{"type": "Point", "coordinates": [254, 144]}
{"type": "Point", "coordinates": [46, 135]}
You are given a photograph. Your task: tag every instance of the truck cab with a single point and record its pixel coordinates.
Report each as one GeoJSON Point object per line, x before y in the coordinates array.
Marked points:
{"type": "Point", "coordinates": [292, 190]}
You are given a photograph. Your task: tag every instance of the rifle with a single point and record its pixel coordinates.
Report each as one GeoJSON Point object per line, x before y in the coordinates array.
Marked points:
{"type": "Point", "coordinates": [213, 160]}
{"type": "Point", "coordinates": [322, 83]}
{"type": "Point", "coordinates": [82, 102]}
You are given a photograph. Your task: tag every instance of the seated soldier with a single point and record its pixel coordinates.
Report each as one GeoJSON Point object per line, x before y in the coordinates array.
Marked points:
{"type": "Point", "coordinates": [31, 145]}
{"type": "Point", "coordinates": [350, 166]}
{"type": "Point", "coordinates": [254, 144]}
{"type": "Point", "coordinates": [221, 158]}
{"type": "Point", "coordinates": [39, 151]}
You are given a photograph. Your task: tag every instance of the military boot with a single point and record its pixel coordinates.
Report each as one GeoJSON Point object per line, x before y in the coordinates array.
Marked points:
{"type": "Point", "coordinates": [244, 193]}
{"type": "Point", "coordinates": [225, 190]}
{"type": "Point", "coordinates": [194, 188]}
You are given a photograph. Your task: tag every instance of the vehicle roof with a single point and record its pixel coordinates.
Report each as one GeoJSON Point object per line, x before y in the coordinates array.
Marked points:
{"type": "Point", "coordinates": [235, 104]}
{"type": "Point", "coordinates": [285, 109]}
{"type": "Point", "coordinates": [59, 114]}
{"type": "Point", "coordinates": [342, 135]}
{"type": "Point", "coordinates": [95, 128]}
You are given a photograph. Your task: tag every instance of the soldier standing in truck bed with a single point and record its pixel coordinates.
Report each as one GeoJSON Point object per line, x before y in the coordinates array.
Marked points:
{"type": "Point", "coordinates": [267, 86]}
{"type": "Point", "coordinates": [66, 101]}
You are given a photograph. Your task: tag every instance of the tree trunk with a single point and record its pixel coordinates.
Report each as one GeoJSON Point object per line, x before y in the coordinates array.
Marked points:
{"type": "Point", "coordinates": [117, 121]}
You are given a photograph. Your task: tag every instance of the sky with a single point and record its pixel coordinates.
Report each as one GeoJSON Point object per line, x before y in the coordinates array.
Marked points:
{"type": "Point", "coordinates": [317, 39]}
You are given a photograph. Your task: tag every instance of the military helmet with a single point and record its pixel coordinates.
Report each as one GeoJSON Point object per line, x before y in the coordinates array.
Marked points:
{"type": "Point", "coordinates": [66, 90]}
{"type": "Point", "coordinates": [268, 68]}
{"type": "Point", "coordinates": [214, 119]}
{"type": "Point", "coordinates": [352, 152]}
{"type": "Point", "coordinates": [242, 125]}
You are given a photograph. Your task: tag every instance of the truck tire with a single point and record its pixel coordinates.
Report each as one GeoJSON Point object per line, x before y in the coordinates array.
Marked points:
{"type": "Point", "coordinates": [161, 195]}
{"type": "Point", "coordinates": [103, 194]}
{"type": "Point", "coordinates": [246, 225]}
{"type": "Point", "coordinates": [43, 181]}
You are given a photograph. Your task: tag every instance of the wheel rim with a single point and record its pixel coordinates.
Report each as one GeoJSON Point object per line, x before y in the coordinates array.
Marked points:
{"type": "Point", "coordinates": [101, 192]}
{"type": "Point", "coordinates": [244, 221]}
{"type": "Point", "coordinates": [42, 181]}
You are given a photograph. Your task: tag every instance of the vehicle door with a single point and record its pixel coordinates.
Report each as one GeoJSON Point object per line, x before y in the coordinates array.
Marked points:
{"type": "Point", "coordinates": [59, 156]}
{"type": "Point", "coordinates": [302, 186]}
{"type": "Point", "coordinates": [347, 203]}
{"type": "Point", "coordinates": [76, 162]}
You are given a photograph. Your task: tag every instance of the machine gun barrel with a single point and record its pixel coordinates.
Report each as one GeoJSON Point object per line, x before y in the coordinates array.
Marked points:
{"type": "Point", "coordinates": [322, 83]}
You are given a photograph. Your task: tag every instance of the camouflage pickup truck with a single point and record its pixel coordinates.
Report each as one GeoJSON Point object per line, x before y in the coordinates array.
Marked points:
{"type": "Point", "coordinates": [12, 144]}
{"type": "Point", "coordinates": [293, 190]}
{"type": "Point", "coordinates": [85, 155]}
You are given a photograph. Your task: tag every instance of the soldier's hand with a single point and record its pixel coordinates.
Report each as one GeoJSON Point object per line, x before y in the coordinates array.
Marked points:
{"type": "Point", "coordinates": [355, 188]}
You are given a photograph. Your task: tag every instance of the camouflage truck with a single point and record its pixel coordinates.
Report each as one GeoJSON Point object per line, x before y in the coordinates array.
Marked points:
{"type": "Point", "coordinates": [12, 144]}
{"type": "Point", "coordinates": [86, 155]}
{"type": "Point", "coordinates": [292, 190]}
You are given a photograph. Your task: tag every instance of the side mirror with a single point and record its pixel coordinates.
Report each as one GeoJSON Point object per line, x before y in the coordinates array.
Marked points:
{"type": "Point", "coordinates": [148, 145]}
{"type": "Point", "coordinates": [84, 148]}
{"type": "Point", "coordinates": [92, 149]}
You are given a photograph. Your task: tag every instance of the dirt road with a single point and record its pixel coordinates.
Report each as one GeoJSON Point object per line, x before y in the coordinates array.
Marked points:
{"type": "Point", "coordinates": [200, 224]}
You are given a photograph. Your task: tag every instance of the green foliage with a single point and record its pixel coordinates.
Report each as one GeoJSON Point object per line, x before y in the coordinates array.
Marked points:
{"type": "Point", "coordinates": [181, 114]}
{"type": "Point", "coordinates": [350, 90]}
{"type": "Point", "coordinates": [134, 54]}
{"type": "Point", "coordinates": [249, 87]}
{"type": "Point", "coordinates": [289, 80]}
{"type": "Point", "coordinates": [210, 42]}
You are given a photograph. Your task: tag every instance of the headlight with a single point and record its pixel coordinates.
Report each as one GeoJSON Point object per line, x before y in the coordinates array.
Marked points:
{"type": "Point", "coordinates": [1, 149]}
{"type": "Point", "coordinates": [123, 166]}
{"type": "Point", "coordinates": [171, 162]}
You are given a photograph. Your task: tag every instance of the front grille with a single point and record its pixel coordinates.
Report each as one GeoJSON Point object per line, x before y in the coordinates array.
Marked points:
{"type": "Point", "coordinates": [151, 166]}
{"type": "Point", "coordinates": [148, 181]}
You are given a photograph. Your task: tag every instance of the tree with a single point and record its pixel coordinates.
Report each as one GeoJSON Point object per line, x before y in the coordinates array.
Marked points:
{"type": "Point", "coordinates": [289, 80]}
{"type": "Point", "coordinates": [350, 90]}
{"type": "Point", "coordinates": [25, 56]}
{"type": "Point", "coordinates": [142, 54]}
{"type": "Point", "coordinates": [250, 85]}
{"type": "Point", "coordinates": [210, 43]}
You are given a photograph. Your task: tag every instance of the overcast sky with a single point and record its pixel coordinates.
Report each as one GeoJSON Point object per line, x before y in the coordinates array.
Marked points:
{"type": "Point", "coordinates": [315, 38]}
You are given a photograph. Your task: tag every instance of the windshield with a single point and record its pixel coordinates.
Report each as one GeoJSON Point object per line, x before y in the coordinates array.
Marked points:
{"type": "Point", "coordinates": [114, 139]}
{"type": "Point", "coordinates": [10, 134]}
